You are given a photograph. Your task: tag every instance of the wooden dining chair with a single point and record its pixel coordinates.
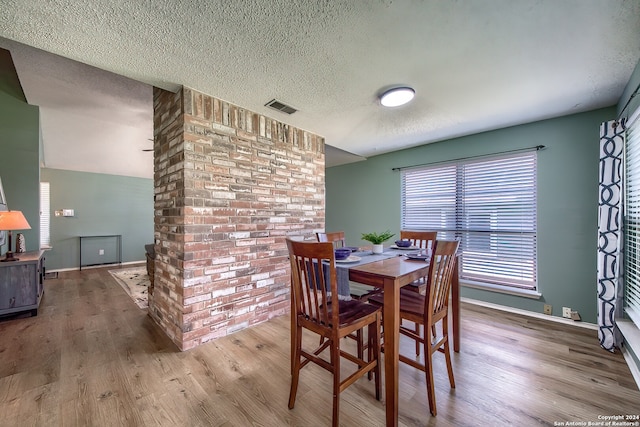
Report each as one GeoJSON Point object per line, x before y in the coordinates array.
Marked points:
{"type": "Point", "coordinates": [357, 291]}
{"type": "Point", "coordinates": [425, 240]}
{"type": "Point", "coordinates": [432, 311]}
{"type": "Point", "coordinates": [336, 237]}
{"type": "Point", "coordinates": [317, 308]}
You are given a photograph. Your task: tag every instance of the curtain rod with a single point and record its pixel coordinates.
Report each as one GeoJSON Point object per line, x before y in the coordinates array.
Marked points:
{"type": "Point", "coordinates": [537, 148]}
{"type": "Point", "coordinates": [633, 95]}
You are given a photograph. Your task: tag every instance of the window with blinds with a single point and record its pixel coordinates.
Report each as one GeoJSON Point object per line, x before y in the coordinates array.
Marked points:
{"type": "Point", "coordinates": [632, 220]}
{"type": "Point", "coordinates": [45, 215]}
{"type": "Point", "coordinates": [489, 204]}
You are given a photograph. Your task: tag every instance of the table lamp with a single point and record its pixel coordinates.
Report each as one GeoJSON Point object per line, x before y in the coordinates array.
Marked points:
{"type": "Point", "coordinates": [12, 220]}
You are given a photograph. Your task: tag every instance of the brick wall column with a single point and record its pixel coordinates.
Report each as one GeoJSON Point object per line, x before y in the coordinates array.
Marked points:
{"type": "Point", "coordinates": [166, 305]}
{"type": "Point", "coordinates": [230, 185]}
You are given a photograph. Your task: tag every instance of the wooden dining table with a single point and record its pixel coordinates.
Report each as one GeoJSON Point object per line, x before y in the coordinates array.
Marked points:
{"type": "Point", "coordinates": [390, 275]}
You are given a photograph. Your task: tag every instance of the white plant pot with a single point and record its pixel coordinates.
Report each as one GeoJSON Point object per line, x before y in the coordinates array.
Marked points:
{"type": "Point", "coordinates": [377, 249]}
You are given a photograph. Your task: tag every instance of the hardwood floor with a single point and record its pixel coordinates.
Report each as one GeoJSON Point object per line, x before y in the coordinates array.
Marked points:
{"type": "Point", "coordinates": [93, 358]}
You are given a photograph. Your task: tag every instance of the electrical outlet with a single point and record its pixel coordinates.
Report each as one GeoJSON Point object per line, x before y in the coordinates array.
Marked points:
{"type": "Point", "coordinates": [566, 312]}
{"type": "Point", "coordinates": [101, 252]}
{"type": "Point", "coordinates": [547, 309]}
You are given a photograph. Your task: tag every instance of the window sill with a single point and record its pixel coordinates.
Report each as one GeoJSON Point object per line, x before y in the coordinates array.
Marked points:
{"type": "Point", "coordinates": [631, 335]}
{"type": "Point", "coordinates": [501, 289]}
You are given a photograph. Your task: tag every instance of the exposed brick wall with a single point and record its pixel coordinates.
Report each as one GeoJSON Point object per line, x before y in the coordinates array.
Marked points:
{"type": "Point", "coordinates": [166, 305]}
{"type": "Point", "coordinates": [230, 185]}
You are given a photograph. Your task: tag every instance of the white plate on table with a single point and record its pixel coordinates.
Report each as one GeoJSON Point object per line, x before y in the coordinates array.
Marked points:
{"type": "Point", "coordinates": [417, 257]}
{"type": "Point", "coordinates": [408, 248]}
{"type": "Point", "coordinates": [352, 258]}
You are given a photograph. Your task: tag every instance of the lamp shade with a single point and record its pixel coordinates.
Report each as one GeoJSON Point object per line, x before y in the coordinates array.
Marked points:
{"type": "Point", "coordinates": [13, 220]}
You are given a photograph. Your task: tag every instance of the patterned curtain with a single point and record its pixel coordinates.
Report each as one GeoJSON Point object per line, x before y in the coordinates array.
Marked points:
{"type": "Point", "coordinates": [610, 237]}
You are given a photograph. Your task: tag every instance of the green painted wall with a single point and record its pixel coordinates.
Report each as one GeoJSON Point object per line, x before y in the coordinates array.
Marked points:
{"type": "Point", "coordinates": [365, 196]}
{"type": "Point", "coordinates": [20, 163]}
{"type": "Point", "coordinates": [103, 205]}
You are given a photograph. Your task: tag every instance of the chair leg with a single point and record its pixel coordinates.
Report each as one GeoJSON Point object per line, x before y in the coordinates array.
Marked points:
{"type": "Point", "coordinates": [374, 352]}
{"type": "Point", "coordinates": [447, 357]}
{"type": "Point", "coordinates": [417, 330]}
{"type": "Point", "coordinates": [447, 353]}
{"type": "Point", "coordinates": [431, 392]}
{"type": "Point", "coordinates": [360, 343]}
{"type": "Point", "coordinates": [295, 375]}
{"type": "Point", "coordinates": [370, 351]}
{"type": "Point", "coordinates": [335, 361]}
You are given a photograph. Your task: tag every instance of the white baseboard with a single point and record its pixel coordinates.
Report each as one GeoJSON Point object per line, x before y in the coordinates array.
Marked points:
{"type": "Point", "coordinates": [88, 267]}
{"type": "Point", "coordinates": [557, 319]}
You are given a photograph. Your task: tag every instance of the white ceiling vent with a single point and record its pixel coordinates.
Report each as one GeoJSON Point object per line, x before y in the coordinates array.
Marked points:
{"type": "Point", "coordinates": [277, 105]}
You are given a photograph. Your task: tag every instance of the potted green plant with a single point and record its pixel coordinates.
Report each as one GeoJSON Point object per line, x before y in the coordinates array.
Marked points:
{"type": "Point", "coordinates": [377, 239]}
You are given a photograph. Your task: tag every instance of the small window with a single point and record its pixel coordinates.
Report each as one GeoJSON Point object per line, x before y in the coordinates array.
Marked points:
{"type": "Point", "coordinates": [45, 216]}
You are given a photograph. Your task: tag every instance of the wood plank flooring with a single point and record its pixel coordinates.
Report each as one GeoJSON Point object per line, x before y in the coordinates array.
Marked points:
{"type": "Point", "coordinates": [93, 358]}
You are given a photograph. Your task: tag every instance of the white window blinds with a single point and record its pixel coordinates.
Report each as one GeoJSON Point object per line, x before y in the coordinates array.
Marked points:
{"type": "Point", "coordinates": [45, 216]}
{"type": "Point", "coordinates": [632, 219]}
{"type": "Point", "coordinates": [489, 204]}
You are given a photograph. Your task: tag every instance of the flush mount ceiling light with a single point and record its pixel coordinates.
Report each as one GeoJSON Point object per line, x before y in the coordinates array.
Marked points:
{"type": "Point", "coordinates": [397, 96]}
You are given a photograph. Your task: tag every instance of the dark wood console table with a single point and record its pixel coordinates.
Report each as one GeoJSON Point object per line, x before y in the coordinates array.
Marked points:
{"type": "Point", "coordinates": [22, 283]}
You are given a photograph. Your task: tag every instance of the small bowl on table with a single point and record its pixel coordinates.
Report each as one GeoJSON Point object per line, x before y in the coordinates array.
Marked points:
{"type": "Point", "coordinates": [403, 243]}
{"type": "Point", "coordinates": [342, 253]}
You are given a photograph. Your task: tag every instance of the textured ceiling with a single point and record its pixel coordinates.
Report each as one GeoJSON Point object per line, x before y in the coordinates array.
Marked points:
{"type": "Point", "coordinates": [476, 65]}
